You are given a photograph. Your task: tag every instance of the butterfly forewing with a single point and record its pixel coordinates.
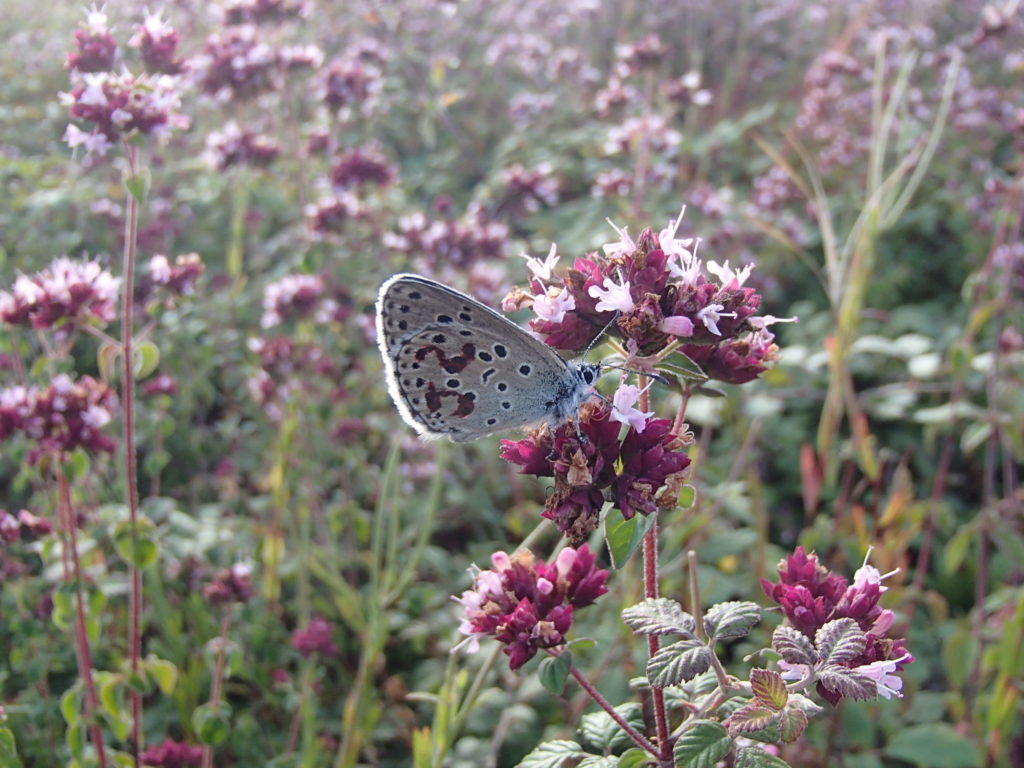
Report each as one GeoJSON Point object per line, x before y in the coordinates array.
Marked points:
{"type": "Point", "coordinates": [459, 369]}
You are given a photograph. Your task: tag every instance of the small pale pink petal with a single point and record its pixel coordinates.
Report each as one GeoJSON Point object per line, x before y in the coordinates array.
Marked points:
{"type": "Point", "coordinates": [677, 325]}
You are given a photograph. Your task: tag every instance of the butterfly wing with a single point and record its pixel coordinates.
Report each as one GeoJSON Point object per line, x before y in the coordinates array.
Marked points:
{"type": "Point", "coordinates": [456, 368]}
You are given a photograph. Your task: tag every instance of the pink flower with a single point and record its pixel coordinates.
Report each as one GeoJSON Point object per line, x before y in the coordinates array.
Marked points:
{"type": "Point", "coordinates": [727, 277]}
{"type": "Point", "coordinates": [172, 754]}
{"type": "Point", "coordinates": [230, 585]}
{"type": "Point", "coordinates": [552, 309]}
{"type": "Point", "coordinates": [677, 325]}
{"type": "Point", "coordinates": [292, 296]}
{"type": "Point", "coordinates": [528, 605]}
{"type": "Point", "coordinates": [315, 638]}
{"type": "Point", "coordinates": [882, 673]}
{"type": "Point", "coordinates": [623, 410]}
{"type": "Point", "coordinates": [233, 146]}
{"type": "Point", "coordinates": [65, 291]}
{"type": "Point", "coordinates": [612, 297]}
{"type": "Point", "coordinates": [362, 166]}
{"type": "Point", "coordinates": [157, 42]}
{"type": "Point", "coordinates": [95, 48]}
{"type": "Point", "coordinates": [545, 270]}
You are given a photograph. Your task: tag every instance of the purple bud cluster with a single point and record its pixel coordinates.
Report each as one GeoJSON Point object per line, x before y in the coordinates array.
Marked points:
{"type": "Point", "coordinates": [641, 473]}
{"type": "Point", "coordinates": [67, 415]}
{"type": "Point", "coordinates": [811, 596]}
{"type": "Point", "coordinates": [528, 605]}
{"type": "Point", "coordinates": [67, 291]}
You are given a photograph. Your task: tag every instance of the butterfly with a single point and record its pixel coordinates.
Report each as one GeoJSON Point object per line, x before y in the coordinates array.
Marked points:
{"type": "Point", "coordinates": [457, 369]}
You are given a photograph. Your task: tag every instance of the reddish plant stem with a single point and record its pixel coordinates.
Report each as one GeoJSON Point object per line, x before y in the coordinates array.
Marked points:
{"type": "Point", "coordinates": [131, 229]}
{"type": "Point", "coordinates": [641, 741]}
{"type": "Point", "coordinates": [218, 675]}
{"type": "Point", "coordinates": [82, 651]}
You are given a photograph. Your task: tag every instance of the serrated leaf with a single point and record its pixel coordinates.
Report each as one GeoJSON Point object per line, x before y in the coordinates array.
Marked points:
{"type": "Point", "coordinates": [769, 688]}
{"type": "Point", "coordinates": [793, 646]}
{"type": "Point", "coordinates": [847, 683]}
{"type": "Point", "coordinates": [839, 640]}
{"type": "Point", "coordinates": [702, 745]}
{"type": "Point", "coordinates": [552, 754]}
{"type": "Point", "coordinates": [678, 663]}
{"type": "Point", "coordinates": [792, 725]}
{"type": "Point", "coordinates": [754, 716]}
{"type": "Point", "coordinates": [731, 619]}
{"type": "Point", "coordinates": [624, 537]}
{"type": "Point", "coordinates": [554, 670]}
{"type": "Point", "coordinates": [599, 731]}
{"type": "Point", "coordinates": [659, 616]}
{"type": "Point", "coordinates": [755, 757]}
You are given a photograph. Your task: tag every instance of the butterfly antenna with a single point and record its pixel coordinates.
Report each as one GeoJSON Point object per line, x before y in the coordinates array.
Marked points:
{"type": "Point", "coordinates": [656, 376]}
{"type": "Point", "coordinates": [597, 338]}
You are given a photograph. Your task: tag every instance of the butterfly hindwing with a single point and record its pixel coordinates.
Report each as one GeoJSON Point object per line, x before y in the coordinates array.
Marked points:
{"type": "Point", "coordinates": [459, 369]}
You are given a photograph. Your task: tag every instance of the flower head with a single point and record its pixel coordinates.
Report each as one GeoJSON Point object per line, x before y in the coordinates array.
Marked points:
{"type": "Point", "coordinates": [66, 291]}
{"type": "Point", "coordinates": [172, 754]}
{"type": "Point", "coordinates": [812, 597]}
{"type": "Point", "coordinates": [230, 585]}
{"type": "Point", "coordinates": [67, 415]}
{"type": "Point", "coordinates": [315, 638]}
{"type": "Point", "coordinates": [528, 605]}
{"type": "Point", "coordinates": [584, 460]}
{"type": "Point", "coordinates": [623, 411]}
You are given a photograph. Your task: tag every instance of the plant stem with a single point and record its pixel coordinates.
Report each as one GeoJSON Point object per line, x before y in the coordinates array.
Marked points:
{"type": "Point", "coordinates": [218, 675]}
{"type": "Point", "coordinates": [642, 741]}
{"type": "Point", "coordinates": [82, 651]}
{"type": "Point", "coordinates": [131, 229]}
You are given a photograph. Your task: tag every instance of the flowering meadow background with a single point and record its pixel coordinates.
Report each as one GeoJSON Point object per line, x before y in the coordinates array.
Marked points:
{"type": "Point", "coordinates": [221, 545]}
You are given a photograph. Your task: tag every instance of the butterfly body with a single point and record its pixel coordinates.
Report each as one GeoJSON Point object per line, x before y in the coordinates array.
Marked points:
{"type": "Point", "coordinates": [456, 368]}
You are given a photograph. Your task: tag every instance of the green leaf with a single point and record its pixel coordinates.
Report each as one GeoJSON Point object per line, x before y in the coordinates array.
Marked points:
{"type": "Point", "coordinates": [8, 749]}
{"type": "Point", "coordinates": [687, 497]}
{"type": "Point", "coordinates": [635, 758]}
{"type": "Point", "coordinates": [702, 745]}
{"type": "Point", "coordinates": [755, 757]}
{"type": "Point", "coordinates": [164, 672]}
{"type": "Point", "coordinates": [681, 365]}
{"type": "Point", "coordinates": [731, 619]}
{"type": "Point", "coordinates": [75, 738]}
{"type": "Point", "coordinates": [678, 663]}
{"type": "Point", "coordinates": [140, 551]}
{"type": "Point", "coordinates": [110, 696]}
{"type": "Point", "coordinates": [554, 670]}
{"type": "Point", "coordinates": [623, 536]}
{"type": "Point", "coordinates": [840, 640]}
{"type": "Point", "coordinates": [599, 761]}
{"type": "Point", "coordinates": [211, 723]}
{"type": "Point", "coordinates": [69, 705]}
{"type": "Point", "coordinates": [145, 359]}
{"type": "Point", "coordinates": [793, 646]}
{"type": "Point", "coordinates": [659, 616]}
{"type": "Point", "coordinates": [769, 688]}
{"type": "Point", "coordinates": [552, 754]}
{"type": "Point", "coordinates": [137, 185]}
{"type": "Point", "coordinates": [933, 745]}
{"type": "Point", "coordinates": [599, 731]}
